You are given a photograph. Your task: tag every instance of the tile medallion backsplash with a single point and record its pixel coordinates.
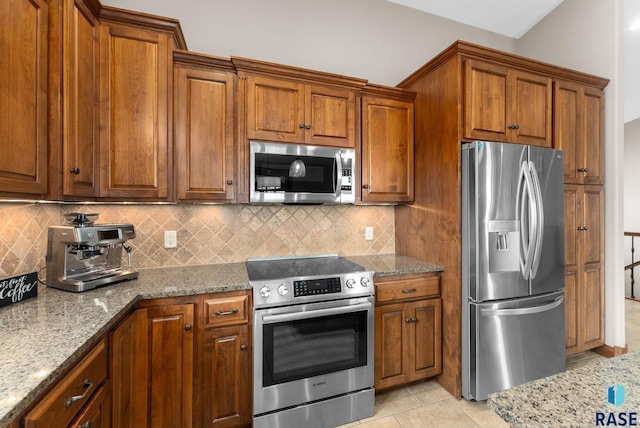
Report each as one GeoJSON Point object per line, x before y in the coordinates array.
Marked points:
{"type": "Point", "coordinates": [206, 233]}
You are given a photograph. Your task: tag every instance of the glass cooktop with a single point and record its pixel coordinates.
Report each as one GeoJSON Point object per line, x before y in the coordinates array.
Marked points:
{"type": "Point", "coordinates": [263, 269]}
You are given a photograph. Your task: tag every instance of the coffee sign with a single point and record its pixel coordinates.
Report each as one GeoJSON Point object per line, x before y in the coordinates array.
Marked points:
{"type": "Point", "coordinates": [18, 288]}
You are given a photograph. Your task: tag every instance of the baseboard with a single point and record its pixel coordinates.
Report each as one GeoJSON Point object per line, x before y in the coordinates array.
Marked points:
{"type": "Point", "coordinates": [610, 351]}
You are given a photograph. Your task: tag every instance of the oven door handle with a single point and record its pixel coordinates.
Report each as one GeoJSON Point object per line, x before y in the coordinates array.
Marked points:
{"type": "Point", "coordinates": [295, 316]}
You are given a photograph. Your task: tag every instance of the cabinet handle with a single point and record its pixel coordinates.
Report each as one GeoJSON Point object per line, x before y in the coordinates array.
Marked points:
{"type": "Point", "coordinates": [229, 182]}
{"type": "Point", "coordinates": [411, 319]}
{"type": "Point", "coordinates": [301, 125]}
{"type": "Point", "coordinates": [235, 311]}
{"type": "Point", "coordinates": [74, 171]}
{"type": "Point", "coordinates": [365, 186]}
{"type": "Point", "coordinates": [583, 169]}
{"type": "Point", "coordinates": [187, 327]}
{"type": "Point", "coordinates": [413, 290]}
{"type": "Point", "coordinates": [87, 386]}
{"type": "Point", "coordinates": [243, 347]}
{"type": "Point", "coordinates": [85, 425]}
{"type": "Point", "coordinates": [309, 126]}
{"type": "Point", "coordinates": [514, 126]}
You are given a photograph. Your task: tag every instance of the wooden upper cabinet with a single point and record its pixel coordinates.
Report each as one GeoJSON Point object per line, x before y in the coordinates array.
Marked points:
{"type": "Point", "coordinates": [80, 101]}
{"type": "Point", "coordinates": [136, 70]}
{"type": "Point", "coordinates": [289, 111]}
{"type": "Point", "coordinates": [24, 33]}
{"type": "Point", "coordinates": [503, 104]}
{"type": "Point", "coordinates": [204, 133]}
{"type": "Point", "coordinates": [387, 150]}
{"type": "Point", "coordinates": [579, 131]}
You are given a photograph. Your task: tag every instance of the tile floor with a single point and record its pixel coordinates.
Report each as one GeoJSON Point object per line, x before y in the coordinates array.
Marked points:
{"type": "Point", "coordinates": [429, 405]}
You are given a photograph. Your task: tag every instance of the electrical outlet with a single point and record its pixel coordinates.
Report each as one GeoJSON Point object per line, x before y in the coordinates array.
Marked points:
{"type": "Point", "coordinates": [170, 239]}
{"type": "Point", "coordinates": [368, 233]}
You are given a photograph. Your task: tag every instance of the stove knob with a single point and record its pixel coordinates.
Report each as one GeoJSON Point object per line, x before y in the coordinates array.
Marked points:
{"type": "Point", "coordinates": [265, 291]}
{"type": "Point", "coordinates": [282, 290]}
{"type": "Point", "coordinates": [351, 282]}
{"type": "Point", "coordinates": [364, 281]}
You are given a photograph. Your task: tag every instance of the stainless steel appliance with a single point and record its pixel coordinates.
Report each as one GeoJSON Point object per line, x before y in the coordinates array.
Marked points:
{"type": "Point", "coordinates": [313, 341]}
{"type": "Point", "coordinates": [513, 327]}
{"type": "Point", "coordinates": [300, 173]}
{"type": "Point", "coordinates": [83, 255]}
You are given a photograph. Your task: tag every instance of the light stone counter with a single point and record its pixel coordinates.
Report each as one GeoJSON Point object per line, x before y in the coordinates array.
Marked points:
{"type": "Point", "coordinates": [573, 398]}
{"type": "Point", "coordinates": [42, 337]}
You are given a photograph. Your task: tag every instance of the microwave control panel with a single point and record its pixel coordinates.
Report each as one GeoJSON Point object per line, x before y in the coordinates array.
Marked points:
{"type": "Point", "coordinates": [347, 180]}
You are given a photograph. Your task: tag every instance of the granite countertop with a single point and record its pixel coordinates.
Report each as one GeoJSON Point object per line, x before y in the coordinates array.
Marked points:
{"type": "Point", "coordinates": [43, 336]}
{"type": "Point", "coordinates": [573, 398]}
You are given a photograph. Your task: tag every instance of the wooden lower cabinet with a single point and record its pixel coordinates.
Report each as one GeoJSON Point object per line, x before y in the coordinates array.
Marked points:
{"type": "Point", "coordinates": [407, 330]}
{"type": "Point", "coordinates": [80, 396]}
{"type": "Point", "coordinates": [177, 362]}
{"type": "Point", "coordinates": [227, 380]}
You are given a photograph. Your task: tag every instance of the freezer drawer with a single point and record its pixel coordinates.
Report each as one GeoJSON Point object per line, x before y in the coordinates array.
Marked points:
{"type": "Point", "coordinates": [515, 341]}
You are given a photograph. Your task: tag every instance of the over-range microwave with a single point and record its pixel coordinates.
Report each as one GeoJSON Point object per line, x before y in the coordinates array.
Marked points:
{"type": "Point", "coordinates": [301, 174]}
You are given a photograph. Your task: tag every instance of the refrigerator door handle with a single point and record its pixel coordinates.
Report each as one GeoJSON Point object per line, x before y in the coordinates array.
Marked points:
{"type": "Point", "coordinates": [540, 220]}
{"type": "Point", "coordinates": [523, 311]}
{"type": "Point", "coordinates": [525, 194]}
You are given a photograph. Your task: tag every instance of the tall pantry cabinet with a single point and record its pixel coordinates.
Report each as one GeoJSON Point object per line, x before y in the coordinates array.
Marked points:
{"type": "Point", "coordinates": [471, 92]}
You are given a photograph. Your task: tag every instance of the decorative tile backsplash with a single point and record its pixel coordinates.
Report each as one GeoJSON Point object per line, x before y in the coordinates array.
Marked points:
{"type": "Point", "coordinates": [206, 233]}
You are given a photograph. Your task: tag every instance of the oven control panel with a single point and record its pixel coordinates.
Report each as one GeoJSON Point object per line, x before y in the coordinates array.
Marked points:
{"type": "Point", "coordinates": [312, 287]}
{"type": "Point", "coordinates": [287, 291]}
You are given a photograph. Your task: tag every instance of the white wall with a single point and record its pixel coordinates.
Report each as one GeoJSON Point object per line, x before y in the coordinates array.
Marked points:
{"type": "Point", "coordinates": [632, 199]}
{"type": "Point", "coordinates": [376, 40]}
{"type": "Point", "coordinates": [586, 35]}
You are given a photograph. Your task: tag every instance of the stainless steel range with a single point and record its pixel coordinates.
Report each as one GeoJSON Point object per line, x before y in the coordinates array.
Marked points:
{"type": "Point", "coordinates": [313, 341]}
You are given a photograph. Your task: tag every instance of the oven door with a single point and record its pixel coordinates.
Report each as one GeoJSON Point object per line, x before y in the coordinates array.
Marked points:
{"type": "Point", "coordinates": [310, 352]}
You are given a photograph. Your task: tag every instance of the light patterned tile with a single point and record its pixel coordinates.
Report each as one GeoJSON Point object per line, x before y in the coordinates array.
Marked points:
{"type": "Point", "coordinates": [441, 414]}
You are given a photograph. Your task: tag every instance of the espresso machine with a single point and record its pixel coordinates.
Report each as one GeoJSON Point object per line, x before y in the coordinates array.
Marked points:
{"type": "Point", "coordinates": [83, 255]}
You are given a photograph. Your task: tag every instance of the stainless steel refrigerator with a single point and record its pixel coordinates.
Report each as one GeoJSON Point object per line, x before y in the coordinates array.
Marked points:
{"type": "Point", "coordinates": [513, 326]}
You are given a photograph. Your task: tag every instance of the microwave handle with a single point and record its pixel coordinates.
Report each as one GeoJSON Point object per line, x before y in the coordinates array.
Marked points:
{"type": "Point", "coordinates": [337, 185]}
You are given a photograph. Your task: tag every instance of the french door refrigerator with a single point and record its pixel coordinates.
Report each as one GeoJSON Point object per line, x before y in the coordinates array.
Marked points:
{"type": "Point", "coordinates": [513, 326]}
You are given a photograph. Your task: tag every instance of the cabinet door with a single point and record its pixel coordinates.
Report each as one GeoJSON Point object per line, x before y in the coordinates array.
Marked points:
{"type": "Point", "coordinates": [204, 134]}
{"type": "Point", "coordinates": [330, 117]}
{"type": "Point", "coordinates": [24, 36]}
{"type": "Point", "coordinates": [152, 368]}
{"type": "Point", "coordinates": [387, 150]}
{"type": "Point", "coordinates": [591, 237]}
{"type": "Point", "coordinates": [579, 131]}
{"type": "Point", "coordinates": [424, 356]}
{"type": "Point", "coordinates": [572, 266]}
{"type": "Point", "coordinates": [531, 109]}
{"type": "Point", "coordinates": [97, 412]}
{"type": "Point", "coordinates": [227, 379]}
{"type": "Point", "coordinates": [584, 263]}
{"type": "Point", "coordinates": [80, 101]}
{"type": "Point", "coordinates": [390, 345]}
{"type": "Point", "coordinates": [135, 86]}
{"type": "Point", "coordinates": [486, 104]}
{"type": "Point", "coordinates": [275, 109]}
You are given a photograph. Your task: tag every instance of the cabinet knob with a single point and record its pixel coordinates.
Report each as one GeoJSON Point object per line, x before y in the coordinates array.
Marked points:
{"type": "Point", "coordinates": [309, 126]}
{"type": "Point", "coordinates": [301, 125]}
{"type": "Point", "coordinates": [514, 126]}
{"type": "Point", "coordinates": [187, 327]}
{"type": "Point", "coordinates": [411, 319]}
{"type": "Point", "coordinates": [365, 186]}
{"type": "Point", "coordinates": [229, 182]}
{"type": "Point", "coordinates": [85, 425]}
{"type": "Point", "coordinates": [583, 169]}
{"type": "Point", "coordinates": [583, 228]}
{"type": "Point", "coordinates": [243, 347]}
{"type": "Point", "coordinates": [74, 170]}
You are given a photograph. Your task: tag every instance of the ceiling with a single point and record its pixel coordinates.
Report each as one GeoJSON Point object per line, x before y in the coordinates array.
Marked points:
{"type": "Point", "coordinates": [507, 17]}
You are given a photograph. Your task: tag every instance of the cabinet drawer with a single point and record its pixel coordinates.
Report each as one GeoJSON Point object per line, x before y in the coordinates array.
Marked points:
{"type": "Point", "coordinates": [407, 287]}
{"type": "Point", "coordinates": [227, 311]}
{"type": "Point", "coordinates": [66, 399]}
